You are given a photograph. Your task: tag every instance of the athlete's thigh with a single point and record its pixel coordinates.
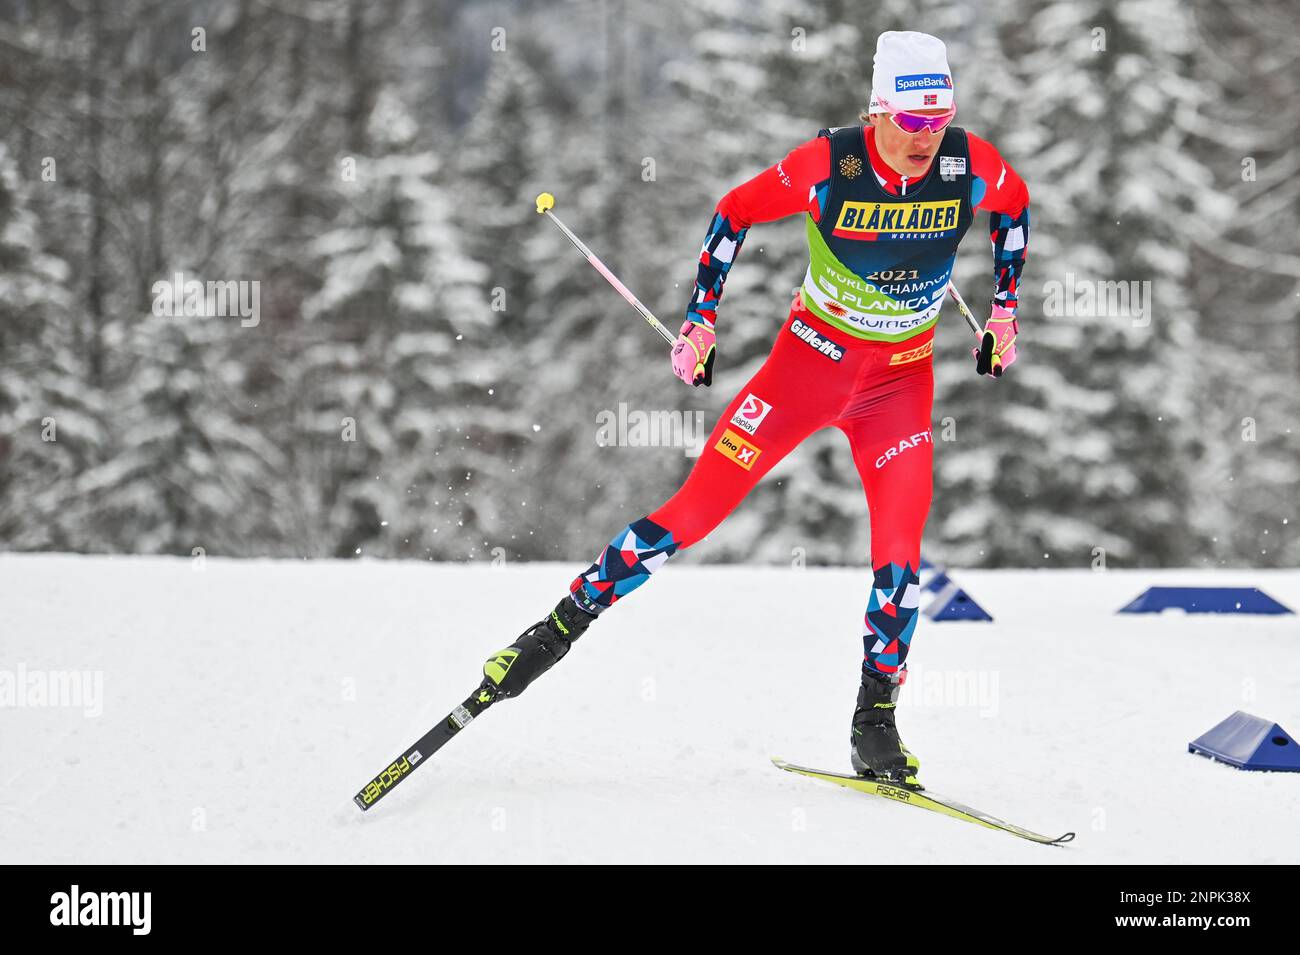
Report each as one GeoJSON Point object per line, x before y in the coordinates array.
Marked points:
{"type": "Point", "coordinates": [893, 449]}
{"type": "Point", "coordinates": [795, 392]}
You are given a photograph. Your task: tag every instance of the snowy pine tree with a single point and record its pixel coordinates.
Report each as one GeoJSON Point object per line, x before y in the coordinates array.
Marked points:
{"type": "Point", "coordinates": [50, 425]}
{"type": "Point", "coordinates": [1065, 454]}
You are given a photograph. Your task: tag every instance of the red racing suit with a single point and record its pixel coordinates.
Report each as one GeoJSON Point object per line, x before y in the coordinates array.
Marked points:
{"type": "Point", "coordinates": [855, 353]}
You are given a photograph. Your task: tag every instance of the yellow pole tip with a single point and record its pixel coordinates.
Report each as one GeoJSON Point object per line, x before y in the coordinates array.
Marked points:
{"type": "Point", "coordinates": [545, 201]}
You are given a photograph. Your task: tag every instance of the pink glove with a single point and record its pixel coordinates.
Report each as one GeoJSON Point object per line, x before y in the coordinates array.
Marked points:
{"type": "Point", "coordinates": [693, 353]}
{"type": "Point", "coordinates": [997, 348]}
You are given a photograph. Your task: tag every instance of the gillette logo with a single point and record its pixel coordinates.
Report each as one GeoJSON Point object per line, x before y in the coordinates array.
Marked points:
{"type": "Point", "coordinates": [922, 81]}
{"type": "Point", "coordinates": [808, 335]}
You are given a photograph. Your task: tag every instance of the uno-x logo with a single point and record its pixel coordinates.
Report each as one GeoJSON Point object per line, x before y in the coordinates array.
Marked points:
{"type": "Point", "coordinates": [738, 449]}
{"type": "Point", "coordinates": [809, 335]}
{"type": "Point", "coordinates": [916, 354]}
{"type": "Point", "coordinates": [921, 437]}
{"type": "Point", "coordinates": [751, 413]}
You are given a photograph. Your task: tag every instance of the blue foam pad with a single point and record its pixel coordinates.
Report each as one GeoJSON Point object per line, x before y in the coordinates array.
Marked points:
{"type": "Point", "coordinates": [956, 605]}
{"type": "Point", "coordinates": [1205, 600]}
{"type": "Point", "coordinates": [1249, 742]}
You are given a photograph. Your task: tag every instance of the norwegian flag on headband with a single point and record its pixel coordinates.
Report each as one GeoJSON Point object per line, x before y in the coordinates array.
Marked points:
{"type": "Point", "coordinates": [931, 99]}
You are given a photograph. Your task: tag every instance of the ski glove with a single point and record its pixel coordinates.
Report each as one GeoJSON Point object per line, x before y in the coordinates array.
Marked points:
{"type": "Point", "coordinates": [693, 352]}
{"type": "Point", "coordinates": [997, 347]}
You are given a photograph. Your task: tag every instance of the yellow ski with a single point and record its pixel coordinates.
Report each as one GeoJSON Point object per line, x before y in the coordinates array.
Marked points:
{"type": "Point", "coordinates": [922, 798]}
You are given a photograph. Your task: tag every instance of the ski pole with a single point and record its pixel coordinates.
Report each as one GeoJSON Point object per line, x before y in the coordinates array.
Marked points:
{"type": "Point", "coordinates": [546, 202]}
{"type": "Point", "coordinates": [965, 312]}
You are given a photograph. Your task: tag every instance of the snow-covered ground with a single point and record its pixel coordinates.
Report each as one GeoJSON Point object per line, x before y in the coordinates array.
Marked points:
{"type": "Point", "coordinates": [242, 703]}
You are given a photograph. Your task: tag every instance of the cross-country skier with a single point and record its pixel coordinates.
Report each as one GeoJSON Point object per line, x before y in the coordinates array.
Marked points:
{"type": "Point", "coordinates": [886, 204]}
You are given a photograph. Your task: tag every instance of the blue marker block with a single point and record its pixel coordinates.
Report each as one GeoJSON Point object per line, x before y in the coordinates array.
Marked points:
{"type": "Point", "coordinates": [950, 602]}
{"type": "Point", "coordinates": [1249, 742]}
{"type": "Point", "coordinates": [937, 582]}
{"type": "Point", "coordinates": [1206, 600]}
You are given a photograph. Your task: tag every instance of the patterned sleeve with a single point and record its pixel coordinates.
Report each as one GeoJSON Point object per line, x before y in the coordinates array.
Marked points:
{"type": "Point", "coordinates": [778, 191]}
{"type": "Point", "coordinates": [1004, 194]}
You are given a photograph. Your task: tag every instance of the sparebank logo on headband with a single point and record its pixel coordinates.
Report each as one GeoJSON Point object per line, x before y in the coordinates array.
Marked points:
{"type": "Point", "coordinates": [922, 81]}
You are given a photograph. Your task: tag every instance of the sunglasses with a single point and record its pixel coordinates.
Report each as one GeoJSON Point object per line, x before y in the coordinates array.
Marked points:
{"type": "Point", "coordinates": [913, 123]}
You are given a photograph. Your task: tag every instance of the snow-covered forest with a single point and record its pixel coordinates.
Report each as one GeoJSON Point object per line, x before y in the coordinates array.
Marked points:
{"type": "Point", "coordinates": [424, 363]}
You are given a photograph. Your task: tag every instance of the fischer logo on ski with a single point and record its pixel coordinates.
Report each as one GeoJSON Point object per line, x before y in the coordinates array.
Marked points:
{"type": "Point", "coordinates": [425, 746]}
{"type": "Point", "coordinates": [924, 799]}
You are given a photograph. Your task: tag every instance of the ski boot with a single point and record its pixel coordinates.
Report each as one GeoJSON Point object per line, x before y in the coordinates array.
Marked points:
{"type": "Point", "coordinates": [877, 752]}
{"type": "Point", "coordinates": [508, 672]}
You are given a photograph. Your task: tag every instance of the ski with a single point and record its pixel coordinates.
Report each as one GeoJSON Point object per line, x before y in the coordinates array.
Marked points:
{"type": "Point", "coordinates": [424, 747]}
{"type": "Point", "coordinates": [924, 799]}
{"type": "Point", "coordinates": [506, 674]}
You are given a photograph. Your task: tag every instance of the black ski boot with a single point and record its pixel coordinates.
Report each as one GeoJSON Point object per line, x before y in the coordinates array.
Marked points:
{"type": "Point", "coordinates": [877, 752]}
{"type": "Point", "coordinates": [508, 672]}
